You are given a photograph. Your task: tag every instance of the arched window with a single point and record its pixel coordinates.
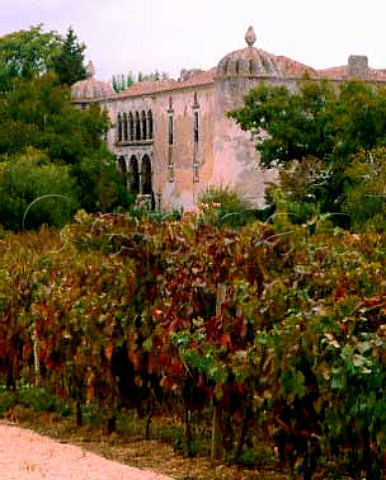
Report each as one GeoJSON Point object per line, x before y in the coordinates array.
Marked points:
{"type": "Point", "coordinates": [131, 127]}
{"type": "Point", "coordinates": [119, 127]}
{"type": "Point", "coordinates": [195, 128]}
{"type": "Point", "coordinates": [171, 130]}
{"type": "Point", "coordinates": [123, 169]}
{"type": "Point", "coordinates": [149, 124]}
{"type": "Point", "coordinates": [144, 125]}
{"type": "Point", "coordinates": [195, 100]}
{"type": "Point", "coordinates": [137, 126]}
{"type": "Point", "coordinates": [146, 175]}
{"type": "Point", "coordinates": [122, 164]}
{"type": "Point", "coordinates": [134, 174]}
{"type": "Point", "coordinates": [124, 128]}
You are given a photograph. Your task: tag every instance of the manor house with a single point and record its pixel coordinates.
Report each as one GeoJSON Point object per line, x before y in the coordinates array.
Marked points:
{"type": "Point", "coordinates": [172, 137]}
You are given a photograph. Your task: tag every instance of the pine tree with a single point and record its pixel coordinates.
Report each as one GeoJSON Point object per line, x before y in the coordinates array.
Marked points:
{"type": "Point", "coordinates": [130, 79]}
{"type": "Point", "coordinates": [115, 84]}
{"type": "Point", "coordinates": [69, 64]}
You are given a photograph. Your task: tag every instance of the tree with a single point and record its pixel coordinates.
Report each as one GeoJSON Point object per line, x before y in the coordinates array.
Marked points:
{"type": "Point", "coordinates": [318, 124]}
{"type": "Point", "coordinates": [38, 113]}
{"type": "Point", "coordinates": [100, 187]}
{"type": "Point", "coordinates": [69, 64]}
{"type": "Point", "coordinates": [153, 76]}
{"type": "Point", "coordinates": [26, 54]}
{"type": "Point", "coordinates": [34, 191]}
{"type": "Point", "coordinates": [121, 82]}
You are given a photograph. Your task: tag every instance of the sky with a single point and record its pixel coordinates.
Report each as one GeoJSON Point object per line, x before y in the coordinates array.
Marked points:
{"type": "Point", "coordinates": [123, 36]}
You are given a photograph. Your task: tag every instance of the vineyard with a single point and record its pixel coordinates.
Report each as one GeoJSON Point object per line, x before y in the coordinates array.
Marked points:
{"type": "Point", "coordinates": [269, 337]}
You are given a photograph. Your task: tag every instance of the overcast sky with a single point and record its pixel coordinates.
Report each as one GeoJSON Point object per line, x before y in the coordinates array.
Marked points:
{"type": "Point", "coordinates": [168, 35]}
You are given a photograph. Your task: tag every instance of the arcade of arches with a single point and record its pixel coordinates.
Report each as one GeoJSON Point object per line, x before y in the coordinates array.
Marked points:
{"type": "Point", "coordinates": [138, 175]}
{"type": "Point", "coordinates": [135, 126]}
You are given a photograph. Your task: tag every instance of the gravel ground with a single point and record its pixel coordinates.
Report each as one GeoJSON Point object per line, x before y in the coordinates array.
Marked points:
{"type": "Point", "coordinates": [25, 455]}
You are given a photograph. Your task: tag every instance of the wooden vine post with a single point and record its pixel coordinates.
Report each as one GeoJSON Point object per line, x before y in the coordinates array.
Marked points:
{"type": "Point", "coordinates": [216, 419]}
{"type": "Point", "coordinates": [35, 342]}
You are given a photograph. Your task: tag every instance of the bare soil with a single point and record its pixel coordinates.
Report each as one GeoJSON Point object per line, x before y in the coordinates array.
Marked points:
{"type": "Point", "coordinates": [27, 455]}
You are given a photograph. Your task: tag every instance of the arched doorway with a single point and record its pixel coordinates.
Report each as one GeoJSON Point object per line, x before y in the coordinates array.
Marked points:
{"type": "Point", "coordinates": [122, 167]}
{"type": "Point", "coordinates": [122, 164]}
{"type": "Point", "coordinates": [146, 176]}
{"type": "Point", "coordinates": [134, 175]}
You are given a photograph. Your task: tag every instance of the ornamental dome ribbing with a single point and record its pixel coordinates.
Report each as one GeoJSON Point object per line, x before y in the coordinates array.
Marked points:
{"type": "Point", "coordinates": [249, 61]}
{"type": "Point", "coordinates": [90, 89]}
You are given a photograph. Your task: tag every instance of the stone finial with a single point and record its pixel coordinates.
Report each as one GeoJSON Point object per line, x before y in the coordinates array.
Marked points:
{"type": "Point", "coordinates": [90, 70]}
{"type": "Point", "coordinates": [250, 37]}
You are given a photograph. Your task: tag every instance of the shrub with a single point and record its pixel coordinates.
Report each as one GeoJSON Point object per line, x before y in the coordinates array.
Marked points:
{"type": "Point", "coordinates": [34, 192]}
{"type": "Point", "coordinates": [40, 400]}
{"type": "Point", "coordinates": [222, 206]}
{"type": "Point", "coordinates": [100, 186]}
{"type": "Point", "coordinates": [7, 401]}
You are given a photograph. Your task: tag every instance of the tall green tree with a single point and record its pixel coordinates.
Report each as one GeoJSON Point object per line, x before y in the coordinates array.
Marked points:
{"type": "Point", "coordinates": [315, 131]}
{"type": "Point", "coordinates": [121, 82]}
{"type": "Point", "coordinates": [26, 54]}
{"type": "Point", "coordinates": [38, 113]}
{"type": "Point", "coordinates": [69, 64]}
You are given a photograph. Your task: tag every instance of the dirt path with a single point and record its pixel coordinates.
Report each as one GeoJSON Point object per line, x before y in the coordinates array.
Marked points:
{"type": "Point", "coordinates": [25, 455]}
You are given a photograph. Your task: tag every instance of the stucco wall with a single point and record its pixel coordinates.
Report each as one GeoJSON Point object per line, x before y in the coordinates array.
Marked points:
{"type": "Point", "coordinates": [236, 160]}
{"type": "Point", "coordinates": [181, 106]}
{"type": "Point", "coordinates": [225, 155]}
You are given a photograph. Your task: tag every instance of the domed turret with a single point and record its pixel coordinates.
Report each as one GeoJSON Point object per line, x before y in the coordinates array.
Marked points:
{"type": "Point", "coordinates": [90, 89]}
{"type": "Point", "coordinates": [249, 61]}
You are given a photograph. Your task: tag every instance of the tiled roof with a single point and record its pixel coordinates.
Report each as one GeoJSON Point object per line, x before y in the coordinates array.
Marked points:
{"type": "Point", "coordinates": [91, 89]}
{"type": "Point", "coordinates": [245, 62]}
{"type": "Point", "coordinates": [249, 61]}
{"type": "Point", "coordinates": [341, 73]}
{"type": "Point", "coordinates": [377, 74]}
{"type": "Point", "coordinates": [292, 68]}
{"type": "Point", "coordinates": [334, 73]}
{"type": "Point", "coordinates": [284, 67]}
{"type": "Point", "coordinates": [149, 87]}
{"type": "Point", "coordinates": [255, 62]}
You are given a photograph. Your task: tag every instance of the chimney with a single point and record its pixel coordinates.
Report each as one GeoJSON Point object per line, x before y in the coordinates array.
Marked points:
{"type": "Point", "coordinates": [358, 66]}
